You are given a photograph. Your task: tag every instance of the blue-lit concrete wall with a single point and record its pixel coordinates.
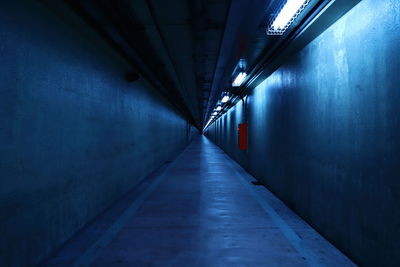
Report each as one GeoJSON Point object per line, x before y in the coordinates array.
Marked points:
{"type": "Point", "coordinates": [324, 133]}
{"type": "Point", "coordinates": [74, 136]}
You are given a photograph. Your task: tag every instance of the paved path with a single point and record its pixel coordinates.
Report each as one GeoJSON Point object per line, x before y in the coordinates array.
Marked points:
{"type": "Point", "coordinates": [200, 210]}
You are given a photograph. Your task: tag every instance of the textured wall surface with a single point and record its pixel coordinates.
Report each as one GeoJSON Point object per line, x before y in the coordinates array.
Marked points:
{"type": "Point", "coordinates": [324, 133]}
{"type": "Point", "coordinates": [74, 135]}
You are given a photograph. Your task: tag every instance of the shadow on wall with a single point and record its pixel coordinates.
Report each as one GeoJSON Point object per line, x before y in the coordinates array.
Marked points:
{"type": "Point", "coordinates": [323, 133]}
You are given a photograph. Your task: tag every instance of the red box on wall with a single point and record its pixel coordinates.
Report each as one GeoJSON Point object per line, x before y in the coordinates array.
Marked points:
{"type": "Point", "coordinates": [242, 136]}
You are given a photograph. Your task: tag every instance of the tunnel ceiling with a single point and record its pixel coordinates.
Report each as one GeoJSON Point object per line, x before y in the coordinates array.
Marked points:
{"type": "Point", "coordinates": [187, 49]}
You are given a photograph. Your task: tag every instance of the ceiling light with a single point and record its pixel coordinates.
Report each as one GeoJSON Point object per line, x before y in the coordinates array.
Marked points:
{"type": "Point", "coordinates": [209, 121]}
{"type": "Point", "coordinates": [218, 108]}
{"type": "Point", "coordinates": [286, 16]}
{"type": "Point", "coordinates": [215, 113]}
{"type": "Point", "coordinates": [239, 79]}
{"type": "Point", "coordinates": [225, 99]}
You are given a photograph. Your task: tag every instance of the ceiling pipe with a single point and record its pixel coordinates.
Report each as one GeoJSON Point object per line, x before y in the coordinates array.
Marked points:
{"type": "Point", "coordinates": [216, 75]}
{"type": "Point", "coordinates": [133, 58]}
{"type": "Point", "coordinates": [298, 38]}
{"type": "Point", "coordinates": [160, 33]}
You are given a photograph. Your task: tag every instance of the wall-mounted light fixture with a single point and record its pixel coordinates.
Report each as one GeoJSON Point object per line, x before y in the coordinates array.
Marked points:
{"type": "Point", "coordinates": [225, 99]}
{"type": "Point", "coordinates": [240, 73]}
{"type": "Point", "coordinates": [208, 123]}
{"type": "Point", "coordinates": [239, 79]}
{"type": "Point", "coordinates": [288, 13]}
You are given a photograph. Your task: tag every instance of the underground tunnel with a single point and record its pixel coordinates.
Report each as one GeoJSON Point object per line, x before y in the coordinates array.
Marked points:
{"type": "Point", "coordinates": [199, 133]}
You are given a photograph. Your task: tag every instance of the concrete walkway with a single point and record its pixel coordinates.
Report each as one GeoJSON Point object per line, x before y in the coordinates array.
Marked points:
{"type": "Point", "coordinates": [199, 210]}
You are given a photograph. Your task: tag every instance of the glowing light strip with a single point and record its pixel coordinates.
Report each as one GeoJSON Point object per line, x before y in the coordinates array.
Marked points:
{"type": "Point", "coordinates": [225, 99]}
{"type": "Point", "coordinates": [239, 79]}
{"type": "Point", "coordinates": [286, 16]}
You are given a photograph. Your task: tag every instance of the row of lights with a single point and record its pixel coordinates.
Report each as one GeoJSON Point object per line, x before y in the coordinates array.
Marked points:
{"type": "Point", "coordinates": [224, 100]}
{"type": "Point", "coordinates": [237, 82]}
{"type": "Point", "coordinates": [280, 23]}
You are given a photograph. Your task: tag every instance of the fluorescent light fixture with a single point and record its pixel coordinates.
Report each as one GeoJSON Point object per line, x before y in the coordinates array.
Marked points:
{"type": "Point", "coordinates": [209, 121]}
{"type": "Point", "coordinates": [286, 16]}
{"type": "Point", "coordinates": [218, 108]}
{"type": "Point", "coordinates": [225, 99]}
{"type": "Point", "coordinates": [239, 79]}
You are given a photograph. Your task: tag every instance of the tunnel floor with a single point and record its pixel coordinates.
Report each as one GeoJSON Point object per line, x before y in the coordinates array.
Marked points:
{"type": "Point", "coordinates": [201, 209]}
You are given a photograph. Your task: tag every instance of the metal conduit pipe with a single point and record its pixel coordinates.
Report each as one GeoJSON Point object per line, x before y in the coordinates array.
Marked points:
{"type": "Point", "coordinates": [163, 41]}
{"type": "Point", "coordinates": [134, 59]}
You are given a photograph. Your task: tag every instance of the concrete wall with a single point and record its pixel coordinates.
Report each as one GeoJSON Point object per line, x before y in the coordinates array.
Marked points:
{"type": "Point", "coordinates": [74, 135]}
{"type": "Point", "coordinates": [324, 133]}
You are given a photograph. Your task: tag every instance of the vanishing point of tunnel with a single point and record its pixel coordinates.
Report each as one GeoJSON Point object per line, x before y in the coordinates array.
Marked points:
{"type": "Point", "coordinates": [199, 133]}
